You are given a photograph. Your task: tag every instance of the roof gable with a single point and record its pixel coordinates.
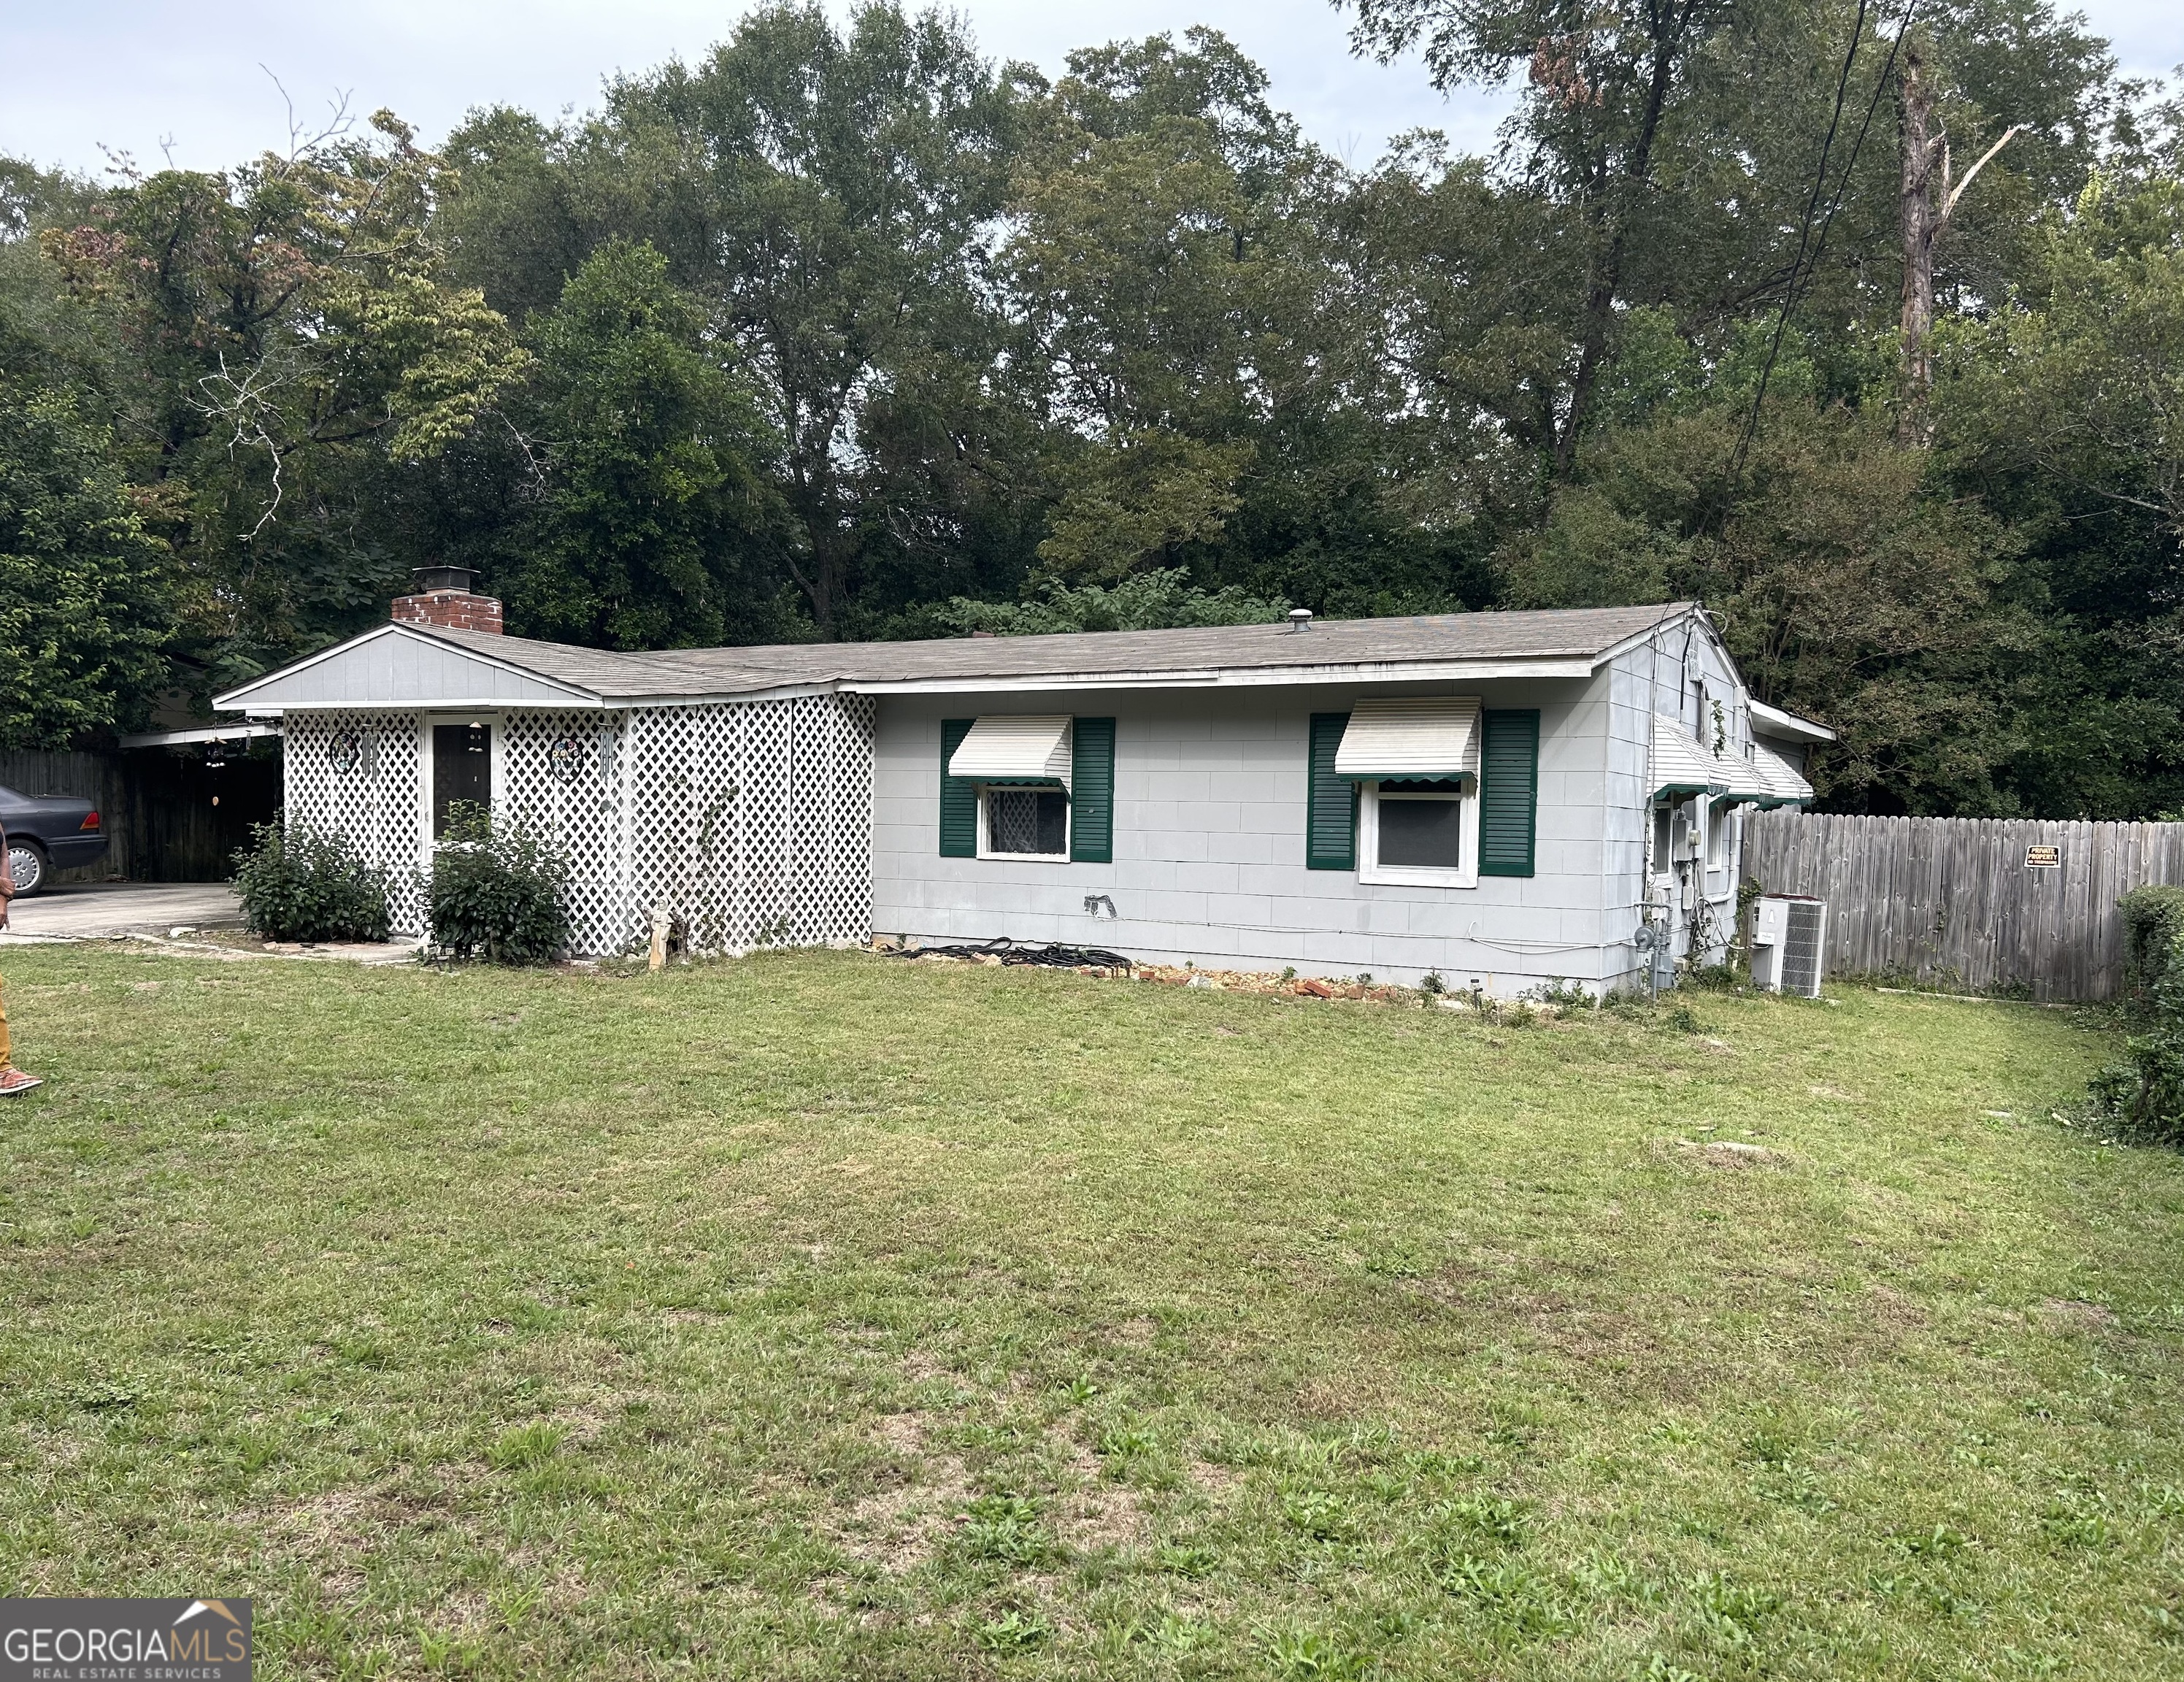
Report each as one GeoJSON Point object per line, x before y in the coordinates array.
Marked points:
{"type": "Point", "coordinates": [395, 664]}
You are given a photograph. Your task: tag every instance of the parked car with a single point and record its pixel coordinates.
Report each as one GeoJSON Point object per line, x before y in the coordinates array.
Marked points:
{"type": "Point", "coordinates": [57, 832]}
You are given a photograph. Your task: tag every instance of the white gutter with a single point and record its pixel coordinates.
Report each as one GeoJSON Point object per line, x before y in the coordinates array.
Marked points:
{"type": "Point", "coordinates": [1380, 671]}
{"type": "Point", "coordinates": [1767, 720]}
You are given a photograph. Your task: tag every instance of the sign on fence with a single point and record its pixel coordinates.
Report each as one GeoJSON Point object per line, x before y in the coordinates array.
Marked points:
{"type": "Point", "coordinates": [1976, 904]}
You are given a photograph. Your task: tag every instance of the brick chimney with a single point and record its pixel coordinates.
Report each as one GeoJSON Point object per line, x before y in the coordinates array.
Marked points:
{"type": "Point", "coordinates": [443, 597]}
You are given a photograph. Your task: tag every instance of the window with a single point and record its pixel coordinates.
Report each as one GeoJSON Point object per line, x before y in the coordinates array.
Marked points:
{"type": "Point", "coordinates": [1025, 822]}
{"type": "Point", "coordinates": [1664, 835]}
{"type": "Point", "coordinates": [1020, 787]}
{"type": "Point", "coordinates": [1421, 832]}
{"type": "Point", "coordinates": [1716, 841]}
{"type": "Point", "coordinates": [1422, 825]}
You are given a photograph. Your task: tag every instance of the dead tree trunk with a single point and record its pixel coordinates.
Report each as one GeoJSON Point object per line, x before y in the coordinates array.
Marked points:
{"type": "Point", "coordinates": [1924, 209]}
{"type": "Point", "coordinates": [1920, 149]}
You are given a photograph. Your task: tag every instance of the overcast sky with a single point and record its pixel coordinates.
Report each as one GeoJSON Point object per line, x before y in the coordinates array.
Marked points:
{"type": "Point", "coordinates": [132, 75]}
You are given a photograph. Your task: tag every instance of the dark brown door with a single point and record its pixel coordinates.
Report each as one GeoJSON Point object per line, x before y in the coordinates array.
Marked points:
{"type": "Point", "coordinates": [462, 769]}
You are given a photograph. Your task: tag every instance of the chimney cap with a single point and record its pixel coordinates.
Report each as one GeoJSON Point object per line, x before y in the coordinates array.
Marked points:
{"type": "Point", "coordinates": [1300, 619]}
{"type": "Point", "coordinates": [436, 577]}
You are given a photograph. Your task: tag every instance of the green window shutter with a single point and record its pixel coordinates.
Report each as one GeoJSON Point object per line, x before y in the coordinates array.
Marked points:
{"type": "Point", "coordinates": [1092, 792]}
{"type": "Point", "coordinates": [1509, 792]}
{"type": "Point", "coordinates": [1330, 808]}
{"type": "Point", "coordinates": [959, 796]}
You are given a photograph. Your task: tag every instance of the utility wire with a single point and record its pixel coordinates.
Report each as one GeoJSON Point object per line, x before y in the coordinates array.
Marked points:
{"type": "Point", "coordinates": [1794, 292]}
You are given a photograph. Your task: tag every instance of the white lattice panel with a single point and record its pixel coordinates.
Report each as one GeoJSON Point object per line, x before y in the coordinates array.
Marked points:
{"type": "Point", "coordinates": [355, 774]}
{"type": "Point", "coordinates": [559, 776]}
{"type": "Point", "coordinates": [752, 821]}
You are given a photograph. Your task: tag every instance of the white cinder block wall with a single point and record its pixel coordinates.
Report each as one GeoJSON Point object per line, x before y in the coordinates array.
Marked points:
{"type": "Point", "coordinates": [1209, 852]}
{"type": "Point", "coordinates": [1663, 675]}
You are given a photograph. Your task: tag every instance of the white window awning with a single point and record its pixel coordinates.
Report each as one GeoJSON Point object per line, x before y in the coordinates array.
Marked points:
{"type": "Point", "coordinates": [1682, 765]}
{"type": "Point", "coordinates": [1784, 787]}
{"type": "Point", "coordinates": [1748, 784]}
{"type": "Point", "coordinates": [1014, 749]}
{"type": "Point", "coordinates": [1411, 736]}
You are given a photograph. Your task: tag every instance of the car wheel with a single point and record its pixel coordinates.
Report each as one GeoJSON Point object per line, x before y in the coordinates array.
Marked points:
{"type": "Point", "coordinates": [27, 863]}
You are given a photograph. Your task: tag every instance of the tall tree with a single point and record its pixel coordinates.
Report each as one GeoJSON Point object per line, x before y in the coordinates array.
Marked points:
{"type": "Point", "coordinates": [830, 195]}
{"type": "Point", "coordinates": [295, 339]}
{"type": "Point", "coordinates": [656, 514]}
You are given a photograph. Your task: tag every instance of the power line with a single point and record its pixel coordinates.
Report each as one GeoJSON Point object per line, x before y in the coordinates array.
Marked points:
{"type": "Point", "coordinates": [1794, 290]}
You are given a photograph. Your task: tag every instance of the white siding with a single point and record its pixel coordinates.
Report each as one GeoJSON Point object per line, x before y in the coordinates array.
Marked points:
{"type": "Point", "coordinates": [1210, 793]}
{"type": "Point", "coordinates": [398, 672]}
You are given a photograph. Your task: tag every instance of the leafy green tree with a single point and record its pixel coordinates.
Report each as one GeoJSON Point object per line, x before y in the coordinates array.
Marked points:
{"type": "Point", "coordinates": [1849, 587]}
{"type": "Point", "coordinates": [2061, 409]}
{"type": "Point", "coordinates": [1158, 600]}
{"type": "Point", "coordinates": [86, 595]}
{"type": "Point", "coordinates": [295, 341]}
{"type": "Point", "coordinates": [656, 512]}
{"type": "Point", "coordinates": [830, 195]}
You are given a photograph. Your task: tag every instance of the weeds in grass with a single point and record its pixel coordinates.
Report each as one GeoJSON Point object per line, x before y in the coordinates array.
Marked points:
{"type": "Point", "coordinates": [1511, 1595]}
{"type": "Point", "coordinates": [832, 1191]}
{"type": "Point", "coordinates": [1491, 1518]}
{"type": "Point", "coordinates": [1123, 1446]}
{"type": "Point", "coordinates": [1309, 1655]}
{"type": "Point", "coordinates": [1013, 1631]}
{"type": "Point", "coordinates": [1004, 1530]}
{"type": "Point", "coordinates": [1186, 1559]}
{"type": "Point", "coordinates": [2077, 1523]}
{"type": "Point", "coordinates": [1177, 1637]}
{"type": "Point", "coordinates": [1934, 1544]}
{"type": "Point", "coordinates": [1730, 1611]}
{"type": "Point", "coordinates": [1318, 1514]}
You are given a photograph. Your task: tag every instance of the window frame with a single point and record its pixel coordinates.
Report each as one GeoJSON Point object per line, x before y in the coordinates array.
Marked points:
{"type": "Point", "coordinates": [1719, 817]}
{"type": "Point", "coordinates": [1373, 873]}
{"type": "Point", "coordinates": [1068, 825]}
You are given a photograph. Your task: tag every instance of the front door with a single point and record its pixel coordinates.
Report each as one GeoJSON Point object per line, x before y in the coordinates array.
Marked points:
{"type": "Point", "coordinates": [462, 769]}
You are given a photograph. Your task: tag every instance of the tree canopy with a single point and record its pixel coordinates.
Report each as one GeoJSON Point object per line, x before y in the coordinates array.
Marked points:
{"type": "Point", "coordinates": [846, 330]}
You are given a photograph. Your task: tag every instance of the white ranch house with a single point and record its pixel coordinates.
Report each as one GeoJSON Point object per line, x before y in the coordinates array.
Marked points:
{"type": "Point", "coordinates": [1496, 797]}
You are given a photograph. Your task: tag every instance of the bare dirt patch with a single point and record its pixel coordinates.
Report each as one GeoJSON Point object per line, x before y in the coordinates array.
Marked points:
{"type": "Point", "coordinates": [1105, 1516]}
{"type": "Point", "coordinates": [2069, 1314]}
{"type": "Point", "coordinates": [898, 1528]}
{"type": "Point", "coordinates": [1731, 1154]}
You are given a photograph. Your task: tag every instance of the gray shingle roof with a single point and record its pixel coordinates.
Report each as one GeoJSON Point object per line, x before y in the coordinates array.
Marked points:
{"type": "Point", "coordinates": [1567, 633]}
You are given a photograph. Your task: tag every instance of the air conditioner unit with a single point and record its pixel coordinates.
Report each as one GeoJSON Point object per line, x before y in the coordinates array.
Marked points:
{"type": "Point", "coordinates": [1789, 935]}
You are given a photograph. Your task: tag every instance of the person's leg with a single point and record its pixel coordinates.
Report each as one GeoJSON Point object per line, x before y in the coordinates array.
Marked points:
{"type": "Point", "coordinates": [12, 1079]}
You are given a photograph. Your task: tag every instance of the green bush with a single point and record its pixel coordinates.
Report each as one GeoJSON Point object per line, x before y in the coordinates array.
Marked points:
{"type": "Point", "coordinates": [495, 893]}
{"type": "Point", "coordinates": [2153, 921]}
{"type": "Point", "coordinates": [2141, 1098]}
{"type": "Point", "coordinates": [299, 884]}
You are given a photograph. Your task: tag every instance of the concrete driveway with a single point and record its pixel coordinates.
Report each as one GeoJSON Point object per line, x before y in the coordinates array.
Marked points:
{"type": "Point", "coordinates": [101, 910]}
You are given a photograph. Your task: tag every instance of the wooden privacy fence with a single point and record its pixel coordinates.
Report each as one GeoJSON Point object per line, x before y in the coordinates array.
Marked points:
{"type": "Point", "coordinates": [1954, 901]}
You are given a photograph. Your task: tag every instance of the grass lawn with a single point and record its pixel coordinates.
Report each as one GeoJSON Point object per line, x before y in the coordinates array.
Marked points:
{"type": "Point", "coordinates": [823, 1316]}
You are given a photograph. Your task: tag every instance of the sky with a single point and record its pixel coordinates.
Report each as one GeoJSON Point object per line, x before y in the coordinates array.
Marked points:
{"type": "Point", "coordinates": [155, 80]}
